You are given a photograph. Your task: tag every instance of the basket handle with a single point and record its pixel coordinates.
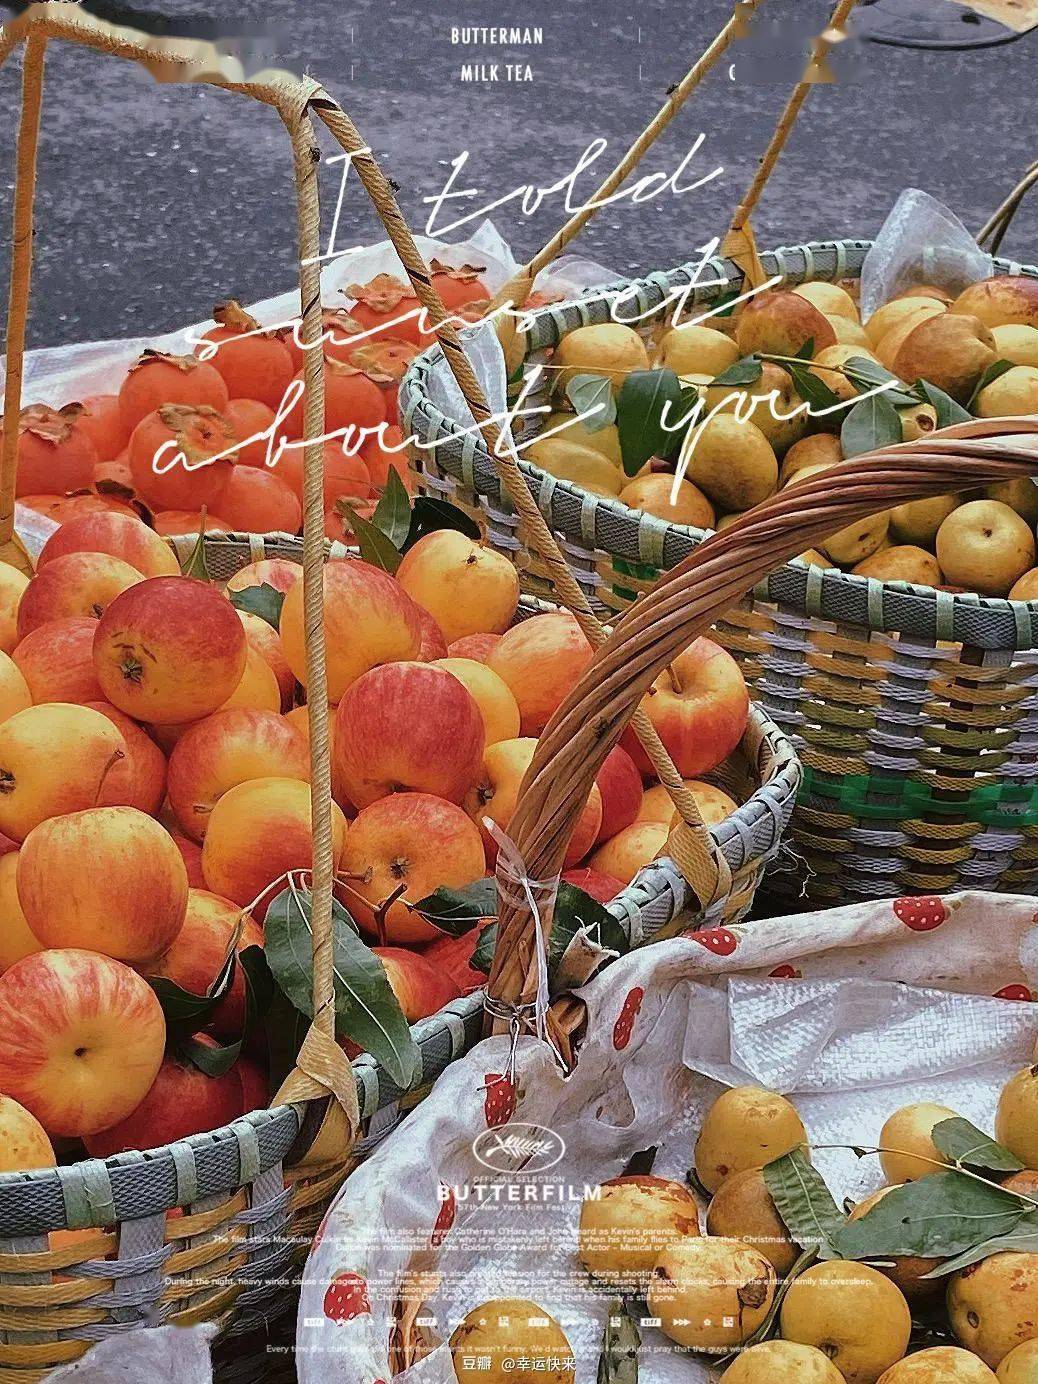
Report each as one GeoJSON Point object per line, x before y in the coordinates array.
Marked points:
{"type": "Point", "coordinates": [517, 290]}
{"type": "Point", "coordinates": [685, 602]}
{"type": "Point", "coordinates": [692, 847]}
{"type": "Point", "coordinates": [994, 229]}
{"type": "Point", "coordinates": [322, 1068]}
{"type": "Point", "coordinates": [739, 244]}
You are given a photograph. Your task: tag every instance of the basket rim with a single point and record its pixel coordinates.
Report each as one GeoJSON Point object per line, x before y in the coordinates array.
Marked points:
{"type": "Point", "coordinates": [925, 612]}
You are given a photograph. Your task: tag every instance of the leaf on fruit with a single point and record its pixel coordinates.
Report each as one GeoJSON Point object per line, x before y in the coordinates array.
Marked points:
{"type": "Point", "coordinates": [867, 375]}
{"type": "Point", "coordinates": [592, 396]}
{"type": "Point", "coordinates": [805, 1204]}
{"type": "Point", "coordinates": [644, 395]}
{"type": "Point", "coordinates": [807, 350]}
{"type": "Point", "coordinates": [871, 423]}
{"type": "Point", "coordinates": [185, 1013]}
{"type": "Point", "coordinates": [457, 911]}
{"type": "Point", "coordinates": [366, 1010]}
{"type": "Point", "coordinates": [767, 1328]}
{"type": "Point", "coordinates": [948, 410]}
{"type": "Point", "coordinates": [195, 564]}
{"type": "Point", "coordinates": [994, 372]}
{"type": "Point", "coordinates": [259, 988]}
{"type": "Point", "coordinates": [814, 391]}
{"type": "Point", "coordinates": [264, 600]}
{"type": "Point", "coordinates": [745, 371]}
{"type": "Point", "coordinates": [937, 1216]}
{"type": "Point", "coordinates": [1023, 1238]}
{"type": "Point", "coordinates": [621, 1341]}
{"type": "Point", "coordinates": [429, 514]}
{"type": "Point", "coordinates": [393, 512]}
{"type": "Point", "coordinates": [374, 546]}
{"type": "Point", "coordinates": [689, 411]}
{"type": "Point", "coordinates": [969, 1147]}
{"type": "Point", "coordinates": [576, 911]}
{"type": "Point", "coordinates": [285, 1030]}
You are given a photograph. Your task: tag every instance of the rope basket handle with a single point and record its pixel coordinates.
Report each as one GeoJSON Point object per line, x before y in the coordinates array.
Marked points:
{"type": "Point", "coordinates": [517, 290]}
{"type": "Point", "coordinates": [685, 602]}
{"type": "Point", "coordinates": [739, 244]}
{"type": "Point", "coordinates": [993, 232]}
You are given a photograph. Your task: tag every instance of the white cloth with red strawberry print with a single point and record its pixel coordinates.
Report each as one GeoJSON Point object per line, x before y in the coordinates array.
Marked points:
{"type": "Point", "coordinates": [851, 1012]}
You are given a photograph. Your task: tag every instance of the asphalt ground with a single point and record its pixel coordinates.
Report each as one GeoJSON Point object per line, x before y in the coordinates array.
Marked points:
{"type": "Point", "coordinates": [155, 201]}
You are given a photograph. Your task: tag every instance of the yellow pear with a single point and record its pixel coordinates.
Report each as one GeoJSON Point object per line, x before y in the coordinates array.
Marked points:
{"type": "Point", "coordinates": [771, 404]}
{"type": "Point", "coordinates": [1011, 395]}
{"type": "Point", "coordinates": [781, 1362]}
{"type": "Point", "coordinates": [629, 1222]}
{"type": "Point", "coordinates": [608, 349]}
{"type": "Point", "coordinates": [745, 1127]}
{"type": "Point", "coordinates": [829, 367]}
{"type": "Point", "coordinates": [899, 311]}
{"type": "Point", "coordinates": [950, 351]}
{"type": "Point", "coordinates": [916, 421]}
{"type": "Point", "coordinates": [1001, 301]}
{"type": "Point", "coordinates": [514, 1340]}
{"type": "Point", "coordinates": [605, 440]}
{"type": "Point", "coordinates": [941, 1365]}
{"type": "Point", "coordinates": [1020, 1366]}
{"type": "Point", "coordinates": [1026, 587]}
{"type": "Point", "coordinates": [652, 494]}
{"type": "Point", "coordinates": [984, 546]}
{"type": "Point", "coordinates": [742, 1209]}
{"type": "Point", "coordinates": [991, 1305]}
{"type": "Point", "coordinates": [710, 1294]}
{"type": "Point", "coordinates": [733, 463]}
{"type": "Point", "coordinates": [1020, 494]}
{"type": "Point", "coordinates": [1016, 1121]}
{"type": "Point", "coordinates": [830, 299]}
{"type": "Point", "coordinates": [901, 562]}
{"type": "Point", "coordinates": [1017, 342]}
{"type": "Point", "coordinates": [697, 350]}
{"type": "Point", "coordinates": [917, 521]}
{"type": "Point", "coordinates": [911, 1153]}
{"type": "Point", "coordinates": [570, 461]}
{"type": "Point", "coordinates": [818, 449]}
{"type": "Point", "coordinates": [859, 1318]}
{"type": "Point", "coordinates": [848, 332]}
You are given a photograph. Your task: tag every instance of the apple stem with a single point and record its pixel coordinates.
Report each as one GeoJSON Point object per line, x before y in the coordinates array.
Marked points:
{"type": "Point", "coordinates": [112, 762]}
{"type": "Point", "coordinates": [678, 687]}
{"type": "Point", "coordinates": [382, 910]}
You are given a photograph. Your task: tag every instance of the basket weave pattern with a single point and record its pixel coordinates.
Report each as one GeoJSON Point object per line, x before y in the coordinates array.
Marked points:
{"type": "Point", "coordinates": [913, 710]}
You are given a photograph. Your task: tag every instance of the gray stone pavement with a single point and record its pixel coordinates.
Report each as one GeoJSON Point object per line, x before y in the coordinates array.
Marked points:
{"type": "Point", "coordinates": [156, 201]}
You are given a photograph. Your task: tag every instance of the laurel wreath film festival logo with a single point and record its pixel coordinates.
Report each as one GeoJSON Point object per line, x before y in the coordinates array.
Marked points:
{"type": "Point", "coordinates": [534, 1147]}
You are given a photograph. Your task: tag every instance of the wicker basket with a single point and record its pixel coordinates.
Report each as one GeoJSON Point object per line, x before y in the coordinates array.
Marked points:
{"type": "Point", "coordinates": [913, 710]}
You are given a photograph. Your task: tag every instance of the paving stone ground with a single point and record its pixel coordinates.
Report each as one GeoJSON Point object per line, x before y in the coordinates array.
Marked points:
{"type": "Point", "coordinates": [155, 201]}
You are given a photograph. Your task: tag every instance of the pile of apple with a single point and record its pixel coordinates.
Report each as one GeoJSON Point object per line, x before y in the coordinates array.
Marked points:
{"type": "Point", "coordinates": [234, 400]}
{"type": "Point", "coordinates": [154, 800]}
{"type": "Point", "coordinates": [943, 360]}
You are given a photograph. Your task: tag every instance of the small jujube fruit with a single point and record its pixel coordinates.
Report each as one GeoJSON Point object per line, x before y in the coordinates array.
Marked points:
{"type": "Point", "coordinates": [850, 1312]}
{"type": "Point", "coordinates": [710, 1294]}
{"type": "Point", "coordinates": [628, 1224]}
{"type": "Point", "coordinates": [746, 1127]}
{"type": "Point", "coordinates": [521, 1341]}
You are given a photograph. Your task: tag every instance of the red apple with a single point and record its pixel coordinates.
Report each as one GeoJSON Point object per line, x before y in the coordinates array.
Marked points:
{"type": "Point", "coordinates": [699, 706]}
{"type": "Point", "coordinates": [57, 661]}
{"type": "Point", "coordinates": [225, 749]}
{"type": "Point", "coordinates": [199, 951]}
{"type": "Point", "coordinates": [191, 854]}
{"type": "Point", "coordinates": [279, 572]}
{"type": "Point", "coordinates": [117, 535]}
{"type": "Point", "coordinates": [169, 650]}
{"type": "Point", "coordinates": [139, 780]}
{"type": "Point", "coordinates": [620, 784]}
{"type": "Point", "coordinates": [452, 957]}
{"type": "Point", "coordinates": [497, 792]}
{"type": "Point", "coordinates": [77, 584]}
{"type": "Point", "coordinates": [255, 1084]}
{"type": "Point", "coordinates": [541, 660]}
{"type": "Point", "coordinates": [265, 641]}
{"type": "Point", "coordinates": [83, 1038]}
{"type": "Point", "coordinates": [474, 646]}
{"type": "Point", "coordinates": [420, 988]}
{"type": "Point", "coordinates": [412, 842]}
{"type": "Point", "coordinates": [407, 726]}
{"type": "Point", "coordinates": [600, 886]}
{"type": "Point", "coordinates": [368, 619]}
{"type": "Point", "coordinates": [182, 1100]}
{"type": "Point", "coordinates": [108, 879]}
{"type": "Point", "coordinates": [433, 645]}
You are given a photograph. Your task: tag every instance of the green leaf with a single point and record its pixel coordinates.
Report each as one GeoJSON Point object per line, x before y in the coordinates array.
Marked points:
{"type": "Point", "coordinates": [429, 514]}
{"type": "Point", "coordinates": [621, 1341]}
{"type": "Point", "coordinates": [745, 371]}
{"type": "Point", "coordinates": [264, 601]}
{"type": "Point", "coordinates": [366, 1010]}
{"type": "Point", "coordinates": [457, 911]}
{"type": "Point", "coordinates": [639, 407]}
{"type": "Point", "coordinates": [871, 423]}
{"type": "Point", "coordinates": [805, 1203]}
{"type": "Point", "coordinates": [393, 512]}
{"type": "Point", "coordinates": [689, 407]}
{"type": "Point", "coordinates": [807, 350]}
{"type": "Point", "coordinates": [867, 375]}
{"type": "Point", "coordinates": [995, 371]}
{"type": "Point", "coordinates": [186, 1012]}
{"type": "Point", "coordinates": [813, 390]}
{"type": "Point", "coordinates": [196, 565]}
{"type": "Point", "coordinates": [968, 1147]}
{"type": "Point", "coordinates": [1023, 1238]}
{"type": "Point", "coordinates": [286, 1027]}
{"type": "Point", "coordinates": [592, 396]}
{"type": "Point", "coordinates": [259, 989]}
{"type": "Point", "coordinates": [575, 910]}
{"type": "Point", "coordinates": [937, 1216]}
{"type": "Point", "coordinates": [374, 546]}
{"type": "Point", "coordinates": [948, 411]}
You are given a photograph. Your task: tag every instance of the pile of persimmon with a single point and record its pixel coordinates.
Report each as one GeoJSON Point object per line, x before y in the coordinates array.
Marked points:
{"type": "Point", "coordinates": [213, 438]}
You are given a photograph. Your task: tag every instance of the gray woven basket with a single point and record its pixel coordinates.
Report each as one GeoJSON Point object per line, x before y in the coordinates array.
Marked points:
{"type": "Point", "coordinates": [247, 1218]}
{"type": "Point", "coordinates": [913, 710]}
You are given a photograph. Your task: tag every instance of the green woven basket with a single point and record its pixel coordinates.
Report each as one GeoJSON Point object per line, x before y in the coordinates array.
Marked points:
{"type": "Point", "coordinates": [913, 710]}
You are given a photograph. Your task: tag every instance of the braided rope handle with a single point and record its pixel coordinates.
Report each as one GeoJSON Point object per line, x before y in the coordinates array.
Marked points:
{"type": "Point", "coordinates": [739, 244]}
{"type": "Point", "coordinates": [322, 1068]}
{"type": "Point", "coordinates": [993, 232]}
{"type": "Point", "coordinates": [517, 290]}
{"type": "Point", "coordinates": [686, 601]}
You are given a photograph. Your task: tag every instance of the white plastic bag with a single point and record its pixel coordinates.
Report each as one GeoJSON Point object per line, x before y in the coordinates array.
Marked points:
{"type": "Point", "coordinates": [921, 242]}
{"type": "Point", "coordinates": [854, 1012]}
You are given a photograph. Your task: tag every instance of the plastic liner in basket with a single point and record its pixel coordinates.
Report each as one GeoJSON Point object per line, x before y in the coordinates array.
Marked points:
{"type": "Point", "coordinates": [921, 242]}
{"type": "Point", "coordinates": [853, 1012]}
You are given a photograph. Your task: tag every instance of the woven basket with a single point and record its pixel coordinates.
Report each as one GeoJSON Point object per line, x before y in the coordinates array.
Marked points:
{"type": "Point", "coordinates": [913, 710]}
